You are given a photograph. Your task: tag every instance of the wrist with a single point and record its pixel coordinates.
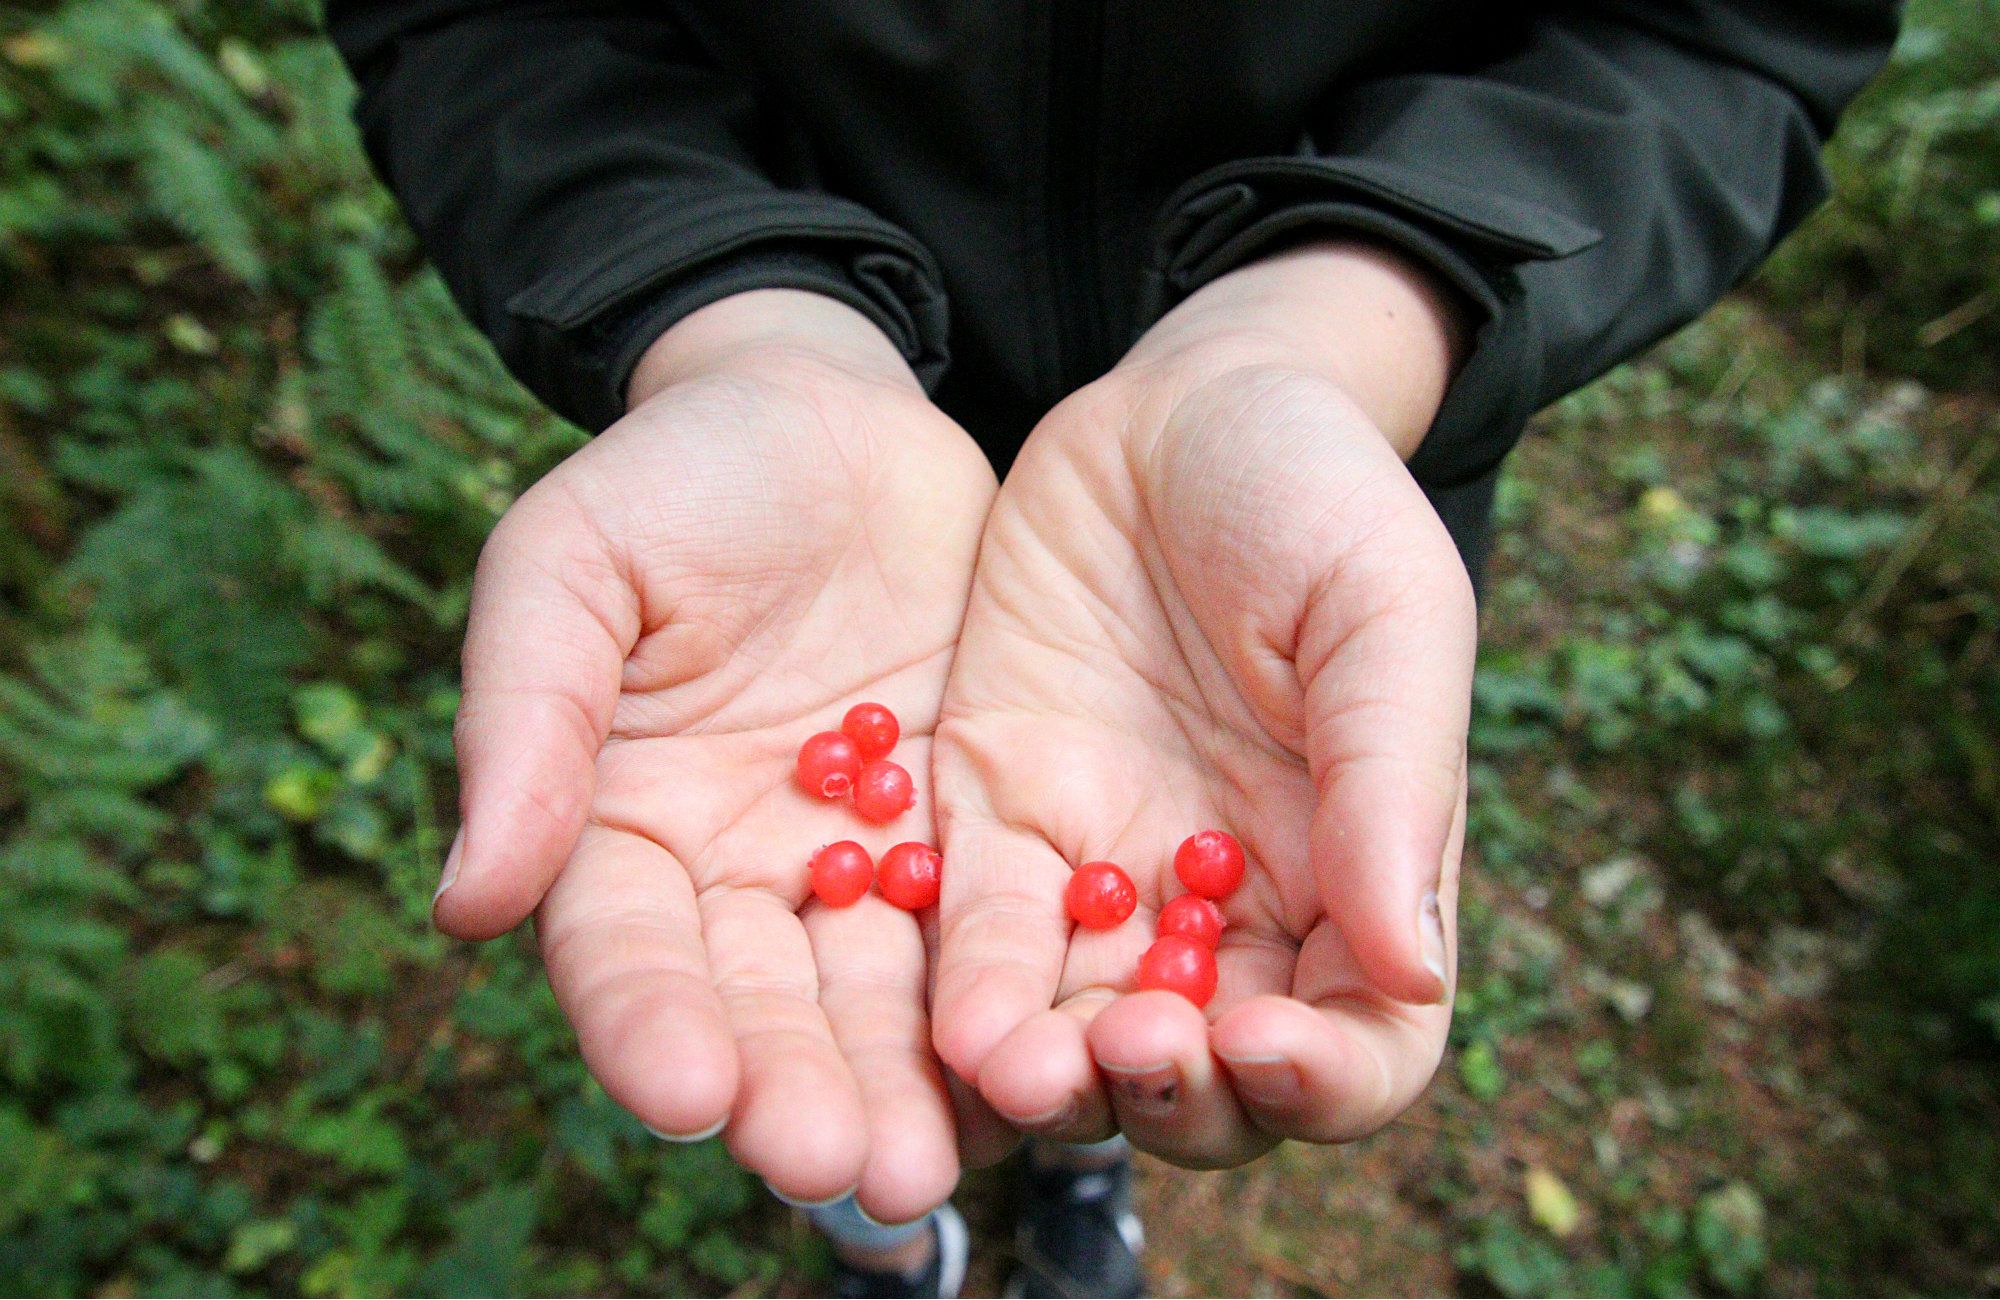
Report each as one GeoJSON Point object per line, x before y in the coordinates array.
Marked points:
{"type": "Point", "coordinates": [764, 328]}
{"type": "Point", "coordinates": [1377, 323]}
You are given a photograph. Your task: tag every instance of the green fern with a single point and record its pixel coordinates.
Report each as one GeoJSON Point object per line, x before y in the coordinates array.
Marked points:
{"type": "Point", "coordinates": [201, 191]}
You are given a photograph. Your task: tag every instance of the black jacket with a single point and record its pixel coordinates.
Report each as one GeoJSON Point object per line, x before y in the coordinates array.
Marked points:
{"type": "Point", "coordinates": [1014, 190]}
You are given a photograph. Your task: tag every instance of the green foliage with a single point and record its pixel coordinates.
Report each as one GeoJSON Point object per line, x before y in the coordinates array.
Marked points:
{"type": "Point", "coordinates": [1776, 678]}
{"type": "Point", "coordinates": [247, 454]}
{"type": "Point", "coordinates": [1719, 1249]}
{"type": "Point", "coordinates": [1904, 266]}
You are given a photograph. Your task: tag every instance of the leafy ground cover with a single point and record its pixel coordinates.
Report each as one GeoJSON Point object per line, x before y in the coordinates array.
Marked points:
{"type": "Point", "coordinates": [1731, 1007]}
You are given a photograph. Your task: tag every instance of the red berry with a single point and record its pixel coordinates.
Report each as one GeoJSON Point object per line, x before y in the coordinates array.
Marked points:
{"type": "Point", "coordinates": [1179, 965]}
{"type": "Point", "coordinates": [841, 873]}
{"type": "Point", "coordinates": [828, 765]}
{"type": "Point", "coordinates": [1210, 863]}
{"type": "Point", "coordinates": [883, 792]}
{"type": "Point", "coordinates": [1099, 896]}
{"type": "Point", "coordinates": [1192, 917]}
{"type": "Point", "coordinates": [910, 876]}
{"type": "Point", "coordinates": [873, 729]}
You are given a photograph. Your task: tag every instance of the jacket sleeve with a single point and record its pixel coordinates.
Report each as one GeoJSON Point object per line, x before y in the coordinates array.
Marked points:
{"type": "Point", "coordinates": [1602, 175]}
{"type": "Point", "coordinates": [583, 176]}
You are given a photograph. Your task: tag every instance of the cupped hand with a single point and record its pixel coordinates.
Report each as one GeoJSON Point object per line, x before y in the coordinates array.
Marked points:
{"type": "Point", "coordinates": [1210, 595]}
{"type": "Point", "coordinates": [784, 526]}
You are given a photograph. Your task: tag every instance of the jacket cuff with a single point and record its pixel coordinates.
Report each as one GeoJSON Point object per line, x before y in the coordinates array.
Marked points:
{"type": "Point", "coordinates": [579, 331]}
{"type": "Point", "coordinates": [1475, 240]}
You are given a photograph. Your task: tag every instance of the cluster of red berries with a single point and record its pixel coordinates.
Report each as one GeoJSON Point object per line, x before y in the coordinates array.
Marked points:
{"type": "Point", "coordinates": [1100, 896]}
{"type": "Point", "coordinates": [853, 763]}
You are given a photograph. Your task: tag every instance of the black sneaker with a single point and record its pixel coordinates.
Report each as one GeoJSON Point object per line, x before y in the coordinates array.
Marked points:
{"type": "Point", "coordinates": [1079, 1235]}
{"type": "Point", "coordinates": [942, 1277]}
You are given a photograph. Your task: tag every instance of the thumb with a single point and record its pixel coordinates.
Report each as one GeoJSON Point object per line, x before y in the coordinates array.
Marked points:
{"type": "Point", "coordinates": [551, 622]}
{"type": "Point", "coordinates": [1386, 659]}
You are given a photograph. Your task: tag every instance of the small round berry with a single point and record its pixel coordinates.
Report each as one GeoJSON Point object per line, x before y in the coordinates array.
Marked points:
{"type": "Point", "coordinates": [1179, 965]}
{"type": "Point", "coordinates": [828, 765]}
{"type": "Point", "coordinates": [1099, 896]}
{"type": "Point", "coordinates": [1192, 917]}
{"type": "Point", "coordinates": [883, 792]}
{"type": "Point", "coordinates": [910, 876]}
{"type": "Point", "coordinates": [841, 873]}
{"type": "Point", "coordinates": [873, 729]}
{"type": "Point", "coordinates": [1210, 863]}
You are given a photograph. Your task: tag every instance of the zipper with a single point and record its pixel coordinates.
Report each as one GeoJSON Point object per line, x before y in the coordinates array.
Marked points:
{"type": "Point", "coordinates": [1076, 48]}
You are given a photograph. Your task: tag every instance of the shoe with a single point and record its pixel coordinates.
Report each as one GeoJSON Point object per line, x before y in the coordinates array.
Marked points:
{"type": "Point", "coordinates": [1079, 1235]}
{"type": "Point", "coordinates": [942, 1277]}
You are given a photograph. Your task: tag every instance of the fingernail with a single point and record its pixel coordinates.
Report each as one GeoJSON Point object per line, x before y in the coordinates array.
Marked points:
{"type": "Point", "coordinates": [450, 872]}
{"type": "Point", "coordinates": [702, 1136]}
{"type": "Point", "coordinates": [874, 1222]}
{"type": "Point", "coordinates": [1152, 1090]}
{"type": "Point", "coordinates": [1430, 939]}
{"type": "Point", "coordinates": [1057, 1118]}
{"type": "Point", "coordinates": [1266, 1080]}
{"type": "Point", "coordinates": [797, 1204]}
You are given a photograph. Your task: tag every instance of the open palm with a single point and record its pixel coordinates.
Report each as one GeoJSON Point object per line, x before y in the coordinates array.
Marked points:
{"type": "Point", "coordinates": [1212, 600]}
{"type": "Point", "coordinates": [656, 626]}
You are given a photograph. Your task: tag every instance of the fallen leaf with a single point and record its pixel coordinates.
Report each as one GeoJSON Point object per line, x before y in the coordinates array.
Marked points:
{"type": "Point", "coordinates": [1550, 1203]}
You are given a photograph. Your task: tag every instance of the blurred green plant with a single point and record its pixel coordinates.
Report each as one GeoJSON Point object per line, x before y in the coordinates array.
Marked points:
{"type": "Point", "coordinates": [249, 454]}
{"type": "Point", "coordinates": [1777, 676]}
{"type": "Point", "coordinates": [1903, 269]}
